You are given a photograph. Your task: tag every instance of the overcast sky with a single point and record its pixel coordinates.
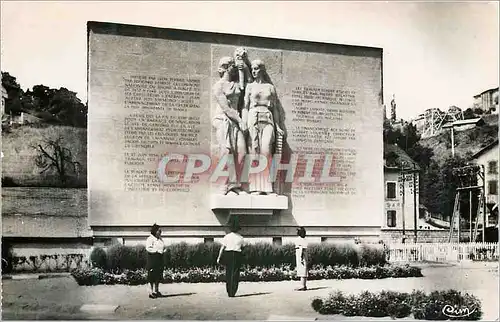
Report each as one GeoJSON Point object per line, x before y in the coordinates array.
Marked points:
{"type": "Point", "coordinates": [435, 54]}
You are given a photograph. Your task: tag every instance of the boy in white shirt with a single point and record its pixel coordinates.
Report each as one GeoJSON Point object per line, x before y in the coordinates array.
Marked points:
{"type": "Point", "coordinates": [231, 251]}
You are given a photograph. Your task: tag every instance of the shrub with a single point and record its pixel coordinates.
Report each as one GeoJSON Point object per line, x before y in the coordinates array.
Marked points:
{"type": "Point", "coordinates": [200, 255]}
{"type": "Point", "coordinates": [183, 255]}
{"type": "Point", "coordinates": [351, 306]}
{"type": "Point", "coordinates": [268, 255]}
{"type": "Point", "coordinates": [93, 276]}
{"type": "Point", "coordinates": [396, 304]}
{"type": "Point", "coordinates": [98, 258]}
{"type": "Point", "coordinates": [121, 257]}
{"type": "Point", "coordinates": [138, 277]}
{"type": "Point", "coordinates": [7, 257]}
{"type": "Point", "coordinates": [186, 256]}
{"type": "Point", "coordinates": [371, 255]}
{"type": "Point", "coordinates": [432, 306]}
{"type": "Point", "coordinates": [398, 310]}
{"type": "Point", "coordinates": [438, 305]}
{"type": "Point", "coordinates": [333, 304]}
{"type": "Point", "coordinates": [176, 255]}
{"type": "Point", "coordinates": [138, 255]}
{"type": "Point", "coordinates": [332, 254]}
{"type": "Point", "coordinates": [317, 304]}
{"type": "Point", "coordinates": [9, 182]}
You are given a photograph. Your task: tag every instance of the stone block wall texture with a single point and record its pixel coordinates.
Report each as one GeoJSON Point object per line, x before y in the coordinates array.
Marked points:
{"type": "Point", "coordinates": [148, 85]}
{"type": "Point", "coordinates": [44, 213]}
{"type": "Point", "coordinates": [19, 155]}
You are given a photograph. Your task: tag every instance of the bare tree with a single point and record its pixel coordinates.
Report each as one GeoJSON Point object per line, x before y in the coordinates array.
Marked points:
{"type": "Point", "coordinates": [53, 155]}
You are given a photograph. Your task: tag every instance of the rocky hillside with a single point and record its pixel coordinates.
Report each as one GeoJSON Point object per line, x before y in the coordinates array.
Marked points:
{"type": "Point", "coordinates": [467, 142]}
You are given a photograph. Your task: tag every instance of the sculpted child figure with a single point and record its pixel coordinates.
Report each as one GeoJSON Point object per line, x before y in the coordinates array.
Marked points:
{"type": "Point", "coordinates": [261, 115]}
{"type": "Point", "coordinates": [243, 65]}
{"type": "Point", "coordinates": [229, 125]}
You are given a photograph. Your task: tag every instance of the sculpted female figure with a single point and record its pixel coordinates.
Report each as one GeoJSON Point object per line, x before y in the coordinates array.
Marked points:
{"type": "Point", "coordinates": [230, 126]}
{"type": "Point", "coordinates": [261, 114]}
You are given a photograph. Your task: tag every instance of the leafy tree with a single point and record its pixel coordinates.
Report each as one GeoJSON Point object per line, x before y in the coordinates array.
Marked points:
{"type": "Point", "coordinates": [469, 114]}
{"type": "Point", "coordinates": [41, 96]}
{"type": "Point", "coordinates": [407, 138]}
{"type": "Point", "coordinates": [478, 111]}
{"type": "Point", "coordinates": [421, 154]}
{"type": "Point", "coordinates": [13, 103]}
{"type": "Point", "coordinates": [439, 184]}
{"type": "Point", "coordinates": [432, 188]}
{"type": "Point", "coordinates": [68, 108]}
{"type": "Point", "coordinates": [11, 85]}
{"type": "Point", "coordinates": [53, 155]}
{"type": "Point", "coordinates": [56, 106]}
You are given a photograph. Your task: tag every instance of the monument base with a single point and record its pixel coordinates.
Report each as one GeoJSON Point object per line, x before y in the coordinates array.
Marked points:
{"type": "Point", "coordinates": [133, 235]}
{"type": "Point", "coordinates": [250, 204]}
{"type": "Point", "coordinates": [265, 212]}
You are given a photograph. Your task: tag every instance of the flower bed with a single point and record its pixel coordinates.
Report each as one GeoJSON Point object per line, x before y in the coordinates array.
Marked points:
{"type": "Point", "coordinates": [97, 276]}
{"type": "Point", "coordinates": [438, 305]}
{"type": "Point", "coordinates": [186, 256]}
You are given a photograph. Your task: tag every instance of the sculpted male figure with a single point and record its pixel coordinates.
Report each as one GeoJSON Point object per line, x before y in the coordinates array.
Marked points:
{"type": "Point", "coordinates": [230, 126]}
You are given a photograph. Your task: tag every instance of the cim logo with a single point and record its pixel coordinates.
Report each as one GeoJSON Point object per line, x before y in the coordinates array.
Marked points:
{"type": "Point", "coordinates": [456, 311]}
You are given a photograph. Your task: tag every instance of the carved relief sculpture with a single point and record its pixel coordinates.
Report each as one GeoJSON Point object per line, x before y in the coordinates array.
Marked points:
{"type": "Point", "coordinates": [262, 116]}
{"type": "Point", "coordinates": [243, 65]}
{"type": "Point", "coordinates": [248, 119]}
{"type": "Point", "coordinates": [228, 123]}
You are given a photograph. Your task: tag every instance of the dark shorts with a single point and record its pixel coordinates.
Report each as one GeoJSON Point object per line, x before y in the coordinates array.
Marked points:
{"type": "Point", "coordinates": [155, 267]}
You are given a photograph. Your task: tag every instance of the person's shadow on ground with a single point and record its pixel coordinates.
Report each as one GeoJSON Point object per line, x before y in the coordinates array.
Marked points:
{"type": "Point", "coordinates": [316, 288]}
{"type": "Point", "coordinates": [175, 295]}
{"type": "Point", "coordinates": [253, 294]}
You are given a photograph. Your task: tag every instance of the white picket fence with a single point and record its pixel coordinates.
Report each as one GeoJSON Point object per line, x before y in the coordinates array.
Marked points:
{"type": "Point", "coordinates": [441, 252]}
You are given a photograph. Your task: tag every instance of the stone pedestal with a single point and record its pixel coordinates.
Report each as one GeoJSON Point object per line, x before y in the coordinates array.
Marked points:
{"type": "Point", "coordinates": [249, 204]}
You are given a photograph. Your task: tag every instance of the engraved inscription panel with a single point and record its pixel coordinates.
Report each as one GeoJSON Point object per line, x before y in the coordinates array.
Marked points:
{"type": "Point", "coordinates": [150, 97]}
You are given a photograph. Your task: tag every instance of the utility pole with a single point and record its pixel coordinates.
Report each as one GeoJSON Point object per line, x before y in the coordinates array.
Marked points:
{"type": "Point", "coordinates": [413, 189]}
{"type": "Point", "coordinates": [402, 192]}
{"type": "Point", "coordinates": [484, 201]}
{"type": "Point", "coordinates": [452, 141]}
{"type": "Point", "coordinates": [470, 216]}
{"type": "Point", "coordinates": [415, 200]}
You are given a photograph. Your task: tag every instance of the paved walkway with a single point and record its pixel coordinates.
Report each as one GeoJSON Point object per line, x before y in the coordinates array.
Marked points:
{"type": "Point", "coordinates": [62, 298]}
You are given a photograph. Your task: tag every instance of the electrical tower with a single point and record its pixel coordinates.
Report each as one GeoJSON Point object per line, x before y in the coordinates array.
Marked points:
{"type": "Point", "coordinates": [434, 119]}
{"type": "Point", "coordinates": [471, 184]}
{"type": "Point", "coordinates": [454, 114]}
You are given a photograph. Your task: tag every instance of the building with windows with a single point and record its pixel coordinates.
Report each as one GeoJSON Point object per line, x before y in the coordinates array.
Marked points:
{"type": "Point", "coordinates": [488, 158]}
{"type": "Point", "coordinates": [487, 100]}
{"type": "Point", "coordinates": [401, 199]}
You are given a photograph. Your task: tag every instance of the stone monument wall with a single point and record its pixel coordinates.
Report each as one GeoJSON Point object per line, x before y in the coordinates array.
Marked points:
{"type": "Point", "coordinates": [150, 93]}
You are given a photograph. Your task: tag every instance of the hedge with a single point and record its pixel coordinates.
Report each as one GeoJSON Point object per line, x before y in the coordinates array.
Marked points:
{"type": "Point", "coordinates": [186, 256]}
{"type": "Point", "coordinates": [438, 305]}
{"type": "Point", "coordinates": [96, 276]}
